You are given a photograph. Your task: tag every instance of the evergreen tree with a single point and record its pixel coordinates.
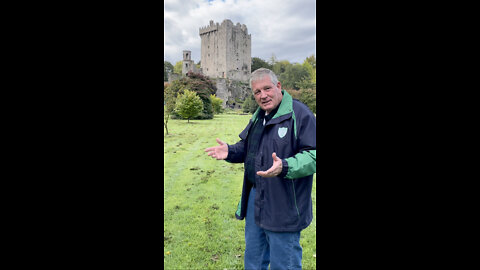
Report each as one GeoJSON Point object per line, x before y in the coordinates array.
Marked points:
{"type": "Point", "coordinates": [188, 105]}
{"type": "Point", "coordinates": [259, 63]}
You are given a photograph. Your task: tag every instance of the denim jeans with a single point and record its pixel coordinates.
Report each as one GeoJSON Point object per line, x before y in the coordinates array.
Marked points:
{"type": "Point", "coordinates": [281, 250]}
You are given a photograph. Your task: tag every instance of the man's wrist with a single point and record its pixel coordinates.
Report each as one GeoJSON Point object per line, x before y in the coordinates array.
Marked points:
{"type": "Point", "coordinates": [284, 168]}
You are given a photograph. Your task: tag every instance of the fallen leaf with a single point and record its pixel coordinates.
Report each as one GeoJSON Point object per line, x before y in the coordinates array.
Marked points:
{"type": "Point", "coordinates": [215, 258]}
{"type": "Point", "coordinates": [238, 255]}
{"type": "Point", "coordinates": [315, 255]}
{"type": "Point", "coordinates": [168, 252]}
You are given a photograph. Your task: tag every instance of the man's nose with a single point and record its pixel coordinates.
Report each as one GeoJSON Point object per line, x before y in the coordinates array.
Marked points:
{"type": "Point", "coordinates": [263, 95]}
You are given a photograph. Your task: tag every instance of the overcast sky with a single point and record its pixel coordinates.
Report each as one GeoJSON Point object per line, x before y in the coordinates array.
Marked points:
{"type": "Point", "coordinates": [285, 28]}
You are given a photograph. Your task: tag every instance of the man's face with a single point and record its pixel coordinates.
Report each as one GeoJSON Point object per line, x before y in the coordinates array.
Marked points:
{"type": "Point", "coordinates": [267, 95]}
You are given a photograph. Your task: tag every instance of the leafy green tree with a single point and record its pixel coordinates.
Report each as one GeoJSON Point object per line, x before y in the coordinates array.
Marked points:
{"type": "Point", "coordinates": [280, 67]}
{"type": "Point", "coordinates": [292, 75]}
{"type": "Point", "coordinates": [306, 96]}
{"type": "Point", "coordinates": [311, 70]}
{"type": "Point", "coordinates": [250, 105]}
{"type": "Point", "coordinates": [178, 67]}
{"type": "Point", "coordinates": [167, 67]}
{"type": "Point", "coordinates": [202, 85]}
{"type": "Point", "coordinates": [188, 104]}
{"type": "Point", "coordinates": [312, 61]}
{"type": "Point", "coordinates": [168, 105]}
{"type": "Point", "coordinates": [309, 98]}
{"type": "Point", "coordinates": [216, 104]}
{"type": "Point", "coordinates": [305, 83]}
{"type": "Point", "coordinates": [259, 63]}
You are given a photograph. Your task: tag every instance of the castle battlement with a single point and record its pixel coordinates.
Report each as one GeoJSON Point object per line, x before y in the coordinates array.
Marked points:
{"type": "Point", "coordinates": [209, 28]}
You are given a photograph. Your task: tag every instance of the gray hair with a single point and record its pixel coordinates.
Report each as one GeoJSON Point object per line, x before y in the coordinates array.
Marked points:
{"type": "Point", "coordinates": [262, 72]}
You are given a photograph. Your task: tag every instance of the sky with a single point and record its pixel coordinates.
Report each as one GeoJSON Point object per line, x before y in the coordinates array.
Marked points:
{"type": "Point", "coordinates": [284, 28]}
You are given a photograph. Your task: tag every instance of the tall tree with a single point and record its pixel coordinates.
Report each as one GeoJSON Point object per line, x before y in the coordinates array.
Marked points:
{"type": "Point", "coordinates": [311, 70]}
{"type": "Point", "coordinates": [311, 59]}
{"type": "Point", "coordinates": [188, 105]}
{"type": "Point", "coordinates": [259, 63]}
{"type": "Point", "coordinates": [200, 84]}
{"type": "Point", "coordinates": [168, 105]}
{"type": "Point", "coordinates": [167, 67]}
{"type": "Point", "coordinates": [272, 60]}
{"type": "Point", "coordinates": [178, 67]}
{"type": "Point", "coordinates": [294, 74]}
{"type": "Point", "coordinates": [280, 67]}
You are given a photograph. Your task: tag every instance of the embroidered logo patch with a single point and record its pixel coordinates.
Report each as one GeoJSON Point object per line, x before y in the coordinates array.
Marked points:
{"type": "Point", "coordinates": [282, 131]}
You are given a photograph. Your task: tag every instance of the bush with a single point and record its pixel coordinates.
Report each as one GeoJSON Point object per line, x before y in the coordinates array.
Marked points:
{"type": "Point", "coordinates": [250, 105]}
{"type": "Point", "coordinates": [306, 96]}
{"type": "Point", "coordinates": [216, 104]}
{"type": "Point", "coordinates": [188, 105]}
{"type": "Point", "coordinates": [201, 85]}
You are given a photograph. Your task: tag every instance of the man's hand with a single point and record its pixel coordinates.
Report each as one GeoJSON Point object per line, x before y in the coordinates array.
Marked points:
{"type": "Point", "coordinates": [219, 152]}
{"type": "Point", "coordinates": [275, 170]}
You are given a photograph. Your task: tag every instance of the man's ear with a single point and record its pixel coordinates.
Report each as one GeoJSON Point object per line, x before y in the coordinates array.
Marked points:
{"type": "Point", "coordinates": [279, 85]}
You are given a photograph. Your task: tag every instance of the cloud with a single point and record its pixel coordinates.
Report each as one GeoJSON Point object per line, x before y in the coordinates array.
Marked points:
{"type": "Point", "coordinates": [284, 28]}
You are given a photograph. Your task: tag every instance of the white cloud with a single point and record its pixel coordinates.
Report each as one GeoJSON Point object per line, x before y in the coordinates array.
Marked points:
{"type": "Point", "coordinates": [281, 27]}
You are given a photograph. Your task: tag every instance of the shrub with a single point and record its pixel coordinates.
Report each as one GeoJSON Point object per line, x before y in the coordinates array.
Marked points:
{"type": "Point", "coordinates": [188, 105]}
{"type": "Point", "coordinates": [216, 104]}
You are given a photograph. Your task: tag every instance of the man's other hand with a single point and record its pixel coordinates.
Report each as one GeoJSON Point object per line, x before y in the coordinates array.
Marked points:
{"type": "Point", "coordinates": [219, 152]}
{"type": "Point", "coordinates": [275, 170]}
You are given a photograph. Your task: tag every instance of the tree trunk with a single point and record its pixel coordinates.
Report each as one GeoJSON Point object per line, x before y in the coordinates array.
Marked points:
{"type": "Point", "coordinates": [166, 128]}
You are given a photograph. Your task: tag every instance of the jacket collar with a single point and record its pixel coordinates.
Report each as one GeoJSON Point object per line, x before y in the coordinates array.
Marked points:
{"type": "Point", "coordinates": [284, 109]}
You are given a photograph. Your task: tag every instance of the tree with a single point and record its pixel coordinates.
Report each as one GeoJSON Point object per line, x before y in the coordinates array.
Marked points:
{"type": "Point", "coordinates": [200, 84]}
{"type": "Point", "coordinates": [306, 96]}
{"type": "Point", "coordinates": [216, 104]}
{"type": "Point", "coordinates": [259, 63]}
{"type": "Point", "coordinates": [280, 67]}
{"type": "Point", "coordinates": [292, 75]}
{"type": "Point", "coordinates": [312, 61]}
{"type": "Point", "coordinates": [168, 105]}
{"type": "Point", "coordinates": [204, 87]}
{"type": "Point", "coordinates": [178, 68]}
{"type": "Point", "coordinates": [188, 105]}
{"type": "Point", "coordinates": [311, 70]}
{"type": "Point", "coordinates": [273, 60]}
{"type": "Point", "coordinates": [167, 67]}
{"type": "Point", "coordinates": [250, 105]}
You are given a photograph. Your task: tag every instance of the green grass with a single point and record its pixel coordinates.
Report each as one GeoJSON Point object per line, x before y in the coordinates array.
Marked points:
{"type": "Point", "coordinates": [201, 196]}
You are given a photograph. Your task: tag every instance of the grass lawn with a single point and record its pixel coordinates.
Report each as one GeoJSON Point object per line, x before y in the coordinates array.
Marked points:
{"type": "Point", "coordinates": [201, 196]}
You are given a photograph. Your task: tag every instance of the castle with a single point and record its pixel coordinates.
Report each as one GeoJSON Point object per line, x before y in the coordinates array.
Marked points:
{"type": "Point", "coordinates": [225, 57]}
{"type": "Point", "coordinates": [226, 51]}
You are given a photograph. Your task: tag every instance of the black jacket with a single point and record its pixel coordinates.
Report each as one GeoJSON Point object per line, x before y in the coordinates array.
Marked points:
{"type": "Point", "coordinates": [284, 202]}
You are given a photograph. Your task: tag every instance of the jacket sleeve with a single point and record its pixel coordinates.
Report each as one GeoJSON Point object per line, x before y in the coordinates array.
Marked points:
{"type": "Point", "coordinates": [303, 163]}
{"type": "Point", "coordinates": [237, 152]}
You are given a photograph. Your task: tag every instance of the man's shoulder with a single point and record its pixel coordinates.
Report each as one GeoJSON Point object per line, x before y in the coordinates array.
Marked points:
{"type": "Point", "coordinates": [300, 107]}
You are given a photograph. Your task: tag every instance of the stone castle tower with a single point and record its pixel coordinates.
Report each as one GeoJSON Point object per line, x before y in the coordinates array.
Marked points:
{"type": "Point", "coordinates": [226, 51]}
{"type": "Point", "coordinates": [188, 64]}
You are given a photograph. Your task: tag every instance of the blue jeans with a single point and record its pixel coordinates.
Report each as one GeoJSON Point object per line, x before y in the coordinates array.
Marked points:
{"type": "Point", "coordinates": [281, 250]}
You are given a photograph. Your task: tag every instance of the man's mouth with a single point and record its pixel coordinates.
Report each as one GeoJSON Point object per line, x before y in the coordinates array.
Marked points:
{"type": "Point", "coordinates": [265, 102]}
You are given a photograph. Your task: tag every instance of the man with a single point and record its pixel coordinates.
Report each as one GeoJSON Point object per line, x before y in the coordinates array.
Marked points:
{"type": "Point", "coordinates": [278, 147]}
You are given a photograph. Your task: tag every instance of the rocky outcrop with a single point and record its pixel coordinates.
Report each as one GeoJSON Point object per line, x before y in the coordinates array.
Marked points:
{"type": "Point", "coordinates": [232, 92]}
